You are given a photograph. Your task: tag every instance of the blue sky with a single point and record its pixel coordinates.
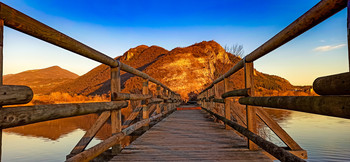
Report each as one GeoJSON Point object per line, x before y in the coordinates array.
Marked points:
{"type": "Point", "coordinates": [113, 26]}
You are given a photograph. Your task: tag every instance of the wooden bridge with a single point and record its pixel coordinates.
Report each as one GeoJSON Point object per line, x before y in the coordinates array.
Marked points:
{"type": "Point", "coordinates": [186, 135]}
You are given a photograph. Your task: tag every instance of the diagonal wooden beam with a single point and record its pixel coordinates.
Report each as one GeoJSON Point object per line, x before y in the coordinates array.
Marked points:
{"type": "Point", "coordinates": [276, 128]}
{"type": "Point", "coordinates": [90, 134]}
{"type": "Point", "coordinates": [132, 117]}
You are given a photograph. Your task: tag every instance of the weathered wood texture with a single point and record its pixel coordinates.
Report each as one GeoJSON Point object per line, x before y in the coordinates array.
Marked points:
{"type": "Point", "coordinates": [273, 125]}
{"type": "Point", "coordinates": [17, 116]}
{"type": "Point", "coordinates": [338, 84]}
{"type": "Point", "coordinates": [15, 94]}
{"type": "Point", "coordinates": [237, 92]}
{"type": "Point", "coordinates": [128, 96]}
{"type": "Point", "coordinates": [189, 135]}
{"type": "Point", "coordinates": [269, 147]}
{"type": "Point", "coordinates": [317, 14]}
{"type": "Point", "coordinates": [90, 134]}
{"type": "Point", "coordinates": [338, 106]}
{"type": "Point", "coordinates": [250, 110]}
{"type": "Point", "coordinates": [227, 102]}
{"type": "Point", "coordinates": [23, 23]}
{"type": "Point", "coordinates": [93, 152]}
{"type": "Point", "coordinates": [131, 118]}
{"type": "Point", "coordinates": [116, 115]}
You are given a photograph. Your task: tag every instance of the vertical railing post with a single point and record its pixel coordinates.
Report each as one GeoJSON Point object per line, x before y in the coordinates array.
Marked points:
{"type": "Point", "coordinates": [212, 92]}
{"type": "Point", "coordinates": [116, 122]}
{"type": "Point", "coordinates": [216, 95]}
{"type": "Point", "coordinates": [250, 110]}
{"type": "Point", "coordinates": [145, 110]}
{"type": "Point", "coordinates": [158, 96]}
{"type": "Point", "coordinates": [227, 103]}
{"type": "Point", "coordinates": [1, 71]}
{"type": "Point", "coordinates": [165, 93]}
{"type": "Point", "coordinates": [348, 27]}
{"type": "Point", "coordinates": [207, 102]}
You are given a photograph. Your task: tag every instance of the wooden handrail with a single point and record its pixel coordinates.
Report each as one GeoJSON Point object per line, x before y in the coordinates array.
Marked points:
{"type": "Point", "coordinates": [17, 116]}
{"type": "Point", "coordinates": [317, 14]}
{"type": "Point", "coordinates": [23, 23]}
{"type": "Point", "coordinates": [338, 106]}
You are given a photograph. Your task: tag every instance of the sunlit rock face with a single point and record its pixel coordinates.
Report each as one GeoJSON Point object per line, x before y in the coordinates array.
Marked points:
{"type": "Point", "coordinates": [184, 70]}
{"type": "Point", "coordinates": [189, 69]}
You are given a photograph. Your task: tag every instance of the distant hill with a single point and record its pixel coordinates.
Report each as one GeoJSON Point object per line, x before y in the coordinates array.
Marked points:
{"type": "Point", "coordinates": [184, 70]}
{"type": "Point", "coordinates": [97, 81]}
{"type": "Point", "coordinates": [41, 81]}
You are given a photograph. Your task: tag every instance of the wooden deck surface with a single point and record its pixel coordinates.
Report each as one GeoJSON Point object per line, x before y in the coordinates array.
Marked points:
{"type": "Point", "coordinates": [188, 135]}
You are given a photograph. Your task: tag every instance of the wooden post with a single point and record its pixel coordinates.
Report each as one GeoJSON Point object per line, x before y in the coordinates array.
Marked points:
{"type": "Point", "coordinates": [165, 93]}
{"type": "Point", "coordinates": [116, 119]}
{"type": "Point", "coordinates": [145, 111]}
{"type": "Point", "coordinates": [250, 110]}
{"type": "Point", "coordinates": [212, 100]}
{"type": "Point", "coordinates": [348, 26]}
{"type": "Point", "coordinates": [1, 71]}
{"type": "Point", "coordinates": [227, 103]}
{"type": "Point", "coordinates": [158, 96]}
{"type": "Point", "coordinates": [216, 96]}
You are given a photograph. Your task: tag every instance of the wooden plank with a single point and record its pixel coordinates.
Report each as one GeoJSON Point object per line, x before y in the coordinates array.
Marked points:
{"type": "Point", "coordinates": [278, 152]}
{"type": "Point", "coordinates": [337, 106]}
{"type": "Point", "coordinates": [90, 134]}
{"type": "Point", "coordinates": [275, 127]}
{"type": "Point", "coordinates": [96, 150]}
{"type": "Point", "coordinates": [17, 116]}
{"type": "Point", "coordinates": [250, 110]}
{"type": "Point", "coordinates": [15, 94]}
{"type": "Point", "coordinates": [189, 136]}
{"type": "Point", "coordinates": [116, 118]}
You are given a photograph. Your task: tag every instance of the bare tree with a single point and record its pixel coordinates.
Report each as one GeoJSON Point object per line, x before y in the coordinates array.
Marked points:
{"type": "Point", "coordinates": [235, 49]}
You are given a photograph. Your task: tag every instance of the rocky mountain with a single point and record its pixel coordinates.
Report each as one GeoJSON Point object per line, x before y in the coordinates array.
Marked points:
{"type": "Point", "coordinates": [97, 81]}
{"type": "Point", "coordinates": [184, 70]}
{"type": "Point", "coordinates": [41, 81]}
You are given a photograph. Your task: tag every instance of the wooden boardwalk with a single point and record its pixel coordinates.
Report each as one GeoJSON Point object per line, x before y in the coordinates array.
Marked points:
{"type": "Point", "coordinates": [188, 135]}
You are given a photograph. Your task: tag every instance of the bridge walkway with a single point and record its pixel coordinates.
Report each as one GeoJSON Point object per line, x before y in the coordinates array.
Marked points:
{"type": "Point", "coordinates": [189, 135]}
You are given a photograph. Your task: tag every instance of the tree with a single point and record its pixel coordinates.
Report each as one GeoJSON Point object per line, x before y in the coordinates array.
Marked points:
{"type": "Point", "coordinates": [235, 49]}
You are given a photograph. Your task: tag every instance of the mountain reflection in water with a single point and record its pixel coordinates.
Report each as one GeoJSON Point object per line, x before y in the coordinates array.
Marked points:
{"type": "Point", "coordinates": [50, 140]}
{"type": "Point", "coordinates": [325, 138]}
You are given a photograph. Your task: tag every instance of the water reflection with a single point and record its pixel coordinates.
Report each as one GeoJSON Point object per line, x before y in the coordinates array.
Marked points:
{"type": "Point", "coordinates": [325, 138]}
{"type": "Point", "coordinates": [49, 141]}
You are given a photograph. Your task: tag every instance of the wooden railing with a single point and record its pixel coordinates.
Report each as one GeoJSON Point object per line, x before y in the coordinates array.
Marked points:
{"type": "Point", "coordinates": [336, 89]}
{"type": "Point", "coordinates": [17, 116]}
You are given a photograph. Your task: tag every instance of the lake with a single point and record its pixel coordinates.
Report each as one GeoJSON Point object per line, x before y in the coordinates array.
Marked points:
{"type": "Point", "coordinates": [325, 138]}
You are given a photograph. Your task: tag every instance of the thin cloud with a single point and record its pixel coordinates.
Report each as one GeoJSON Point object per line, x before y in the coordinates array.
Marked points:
{"type": "Point", "coordinates": [328, 48]}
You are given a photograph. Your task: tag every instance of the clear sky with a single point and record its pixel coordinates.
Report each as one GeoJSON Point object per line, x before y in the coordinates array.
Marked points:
{"type": "Point", "coordinates": [114, 26]}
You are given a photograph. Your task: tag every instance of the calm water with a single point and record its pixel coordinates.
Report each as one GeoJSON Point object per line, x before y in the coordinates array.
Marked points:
{"type": "Point", "coordinates": [325, 138]}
